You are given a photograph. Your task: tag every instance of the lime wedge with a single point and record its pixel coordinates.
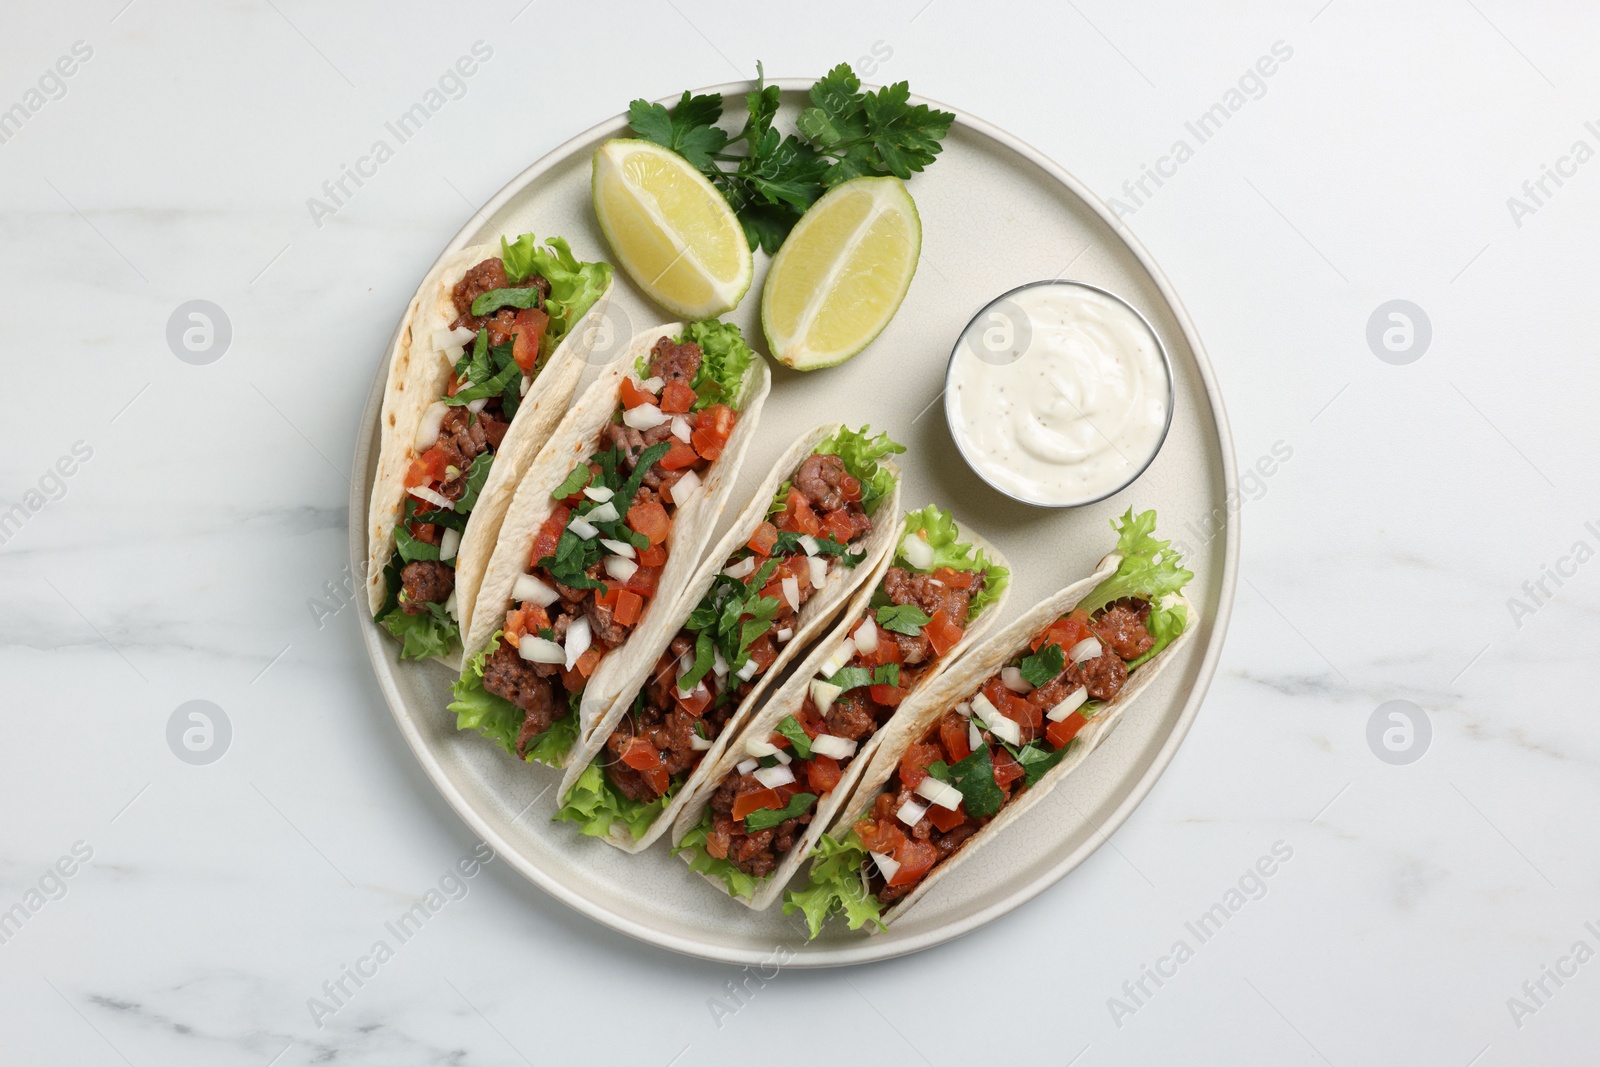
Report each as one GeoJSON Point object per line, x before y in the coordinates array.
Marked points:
{"type": "Point", "coordinates": [670, 229]}
{"type": "Point", "coordinates": [841, 274]}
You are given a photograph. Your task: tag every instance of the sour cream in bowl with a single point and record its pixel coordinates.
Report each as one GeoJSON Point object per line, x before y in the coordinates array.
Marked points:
{"type": "Point", "coordinates": [1058, 394]}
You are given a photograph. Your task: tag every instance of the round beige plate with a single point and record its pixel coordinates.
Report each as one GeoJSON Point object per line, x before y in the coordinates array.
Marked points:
{"type": "Point", "coordinates": [995, 213]}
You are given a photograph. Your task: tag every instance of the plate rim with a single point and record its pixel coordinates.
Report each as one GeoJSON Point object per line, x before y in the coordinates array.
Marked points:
{"type": "Point", "coordinates": [868, 949]}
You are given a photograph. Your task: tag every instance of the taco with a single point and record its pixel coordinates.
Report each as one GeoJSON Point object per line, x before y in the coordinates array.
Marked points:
{"type": "Point", "coordinates": [989, 739]}
{"type": "Point", "coordinates": [604, 532]}
{"type": "Point", "coordinates": [814, 530]}
{"type": "Point", "coordinates": [487, 360]}
{"type": "Point", "coordinates": [756, 814]}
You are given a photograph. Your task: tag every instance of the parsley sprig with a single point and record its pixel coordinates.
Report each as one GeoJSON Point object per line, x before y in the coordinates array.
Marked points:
{"type": "Point", "coordinates": [770, 179]}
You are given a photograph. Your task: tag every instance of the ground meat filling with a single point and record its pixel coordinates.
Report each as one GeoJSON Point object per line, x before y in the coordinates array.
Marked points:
{"type": "Point", "coordinates": [1121, 627]}
{"type": "Point", "coordinates": [425, 581]}
{"type": "Point", "coordinates": [755, 854]}
{"type": "Point", "coordinates": [932, 596]}
{"type": "Point", "coordinates": [673, 362]}
{"type": "Point", "coordinates": [483, 278]}
{"type": "Point", "coordinates": [510, 677]}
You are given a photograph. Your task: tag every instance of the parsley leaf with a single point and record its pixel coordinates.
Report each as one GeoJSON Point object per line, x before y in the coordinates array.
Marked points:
{"type": "Point", "coordinates": [790, 727]}
{"type": "Point", "coordinates": [410, 548]}
{"type": "Point", "coordinates": [974, 776]}
{"type": "Point", "coordinates": [477, 478]}
{"type": "Point", "coordinates": [495, 299]}
{"type": "Point", "coordinates": [847, 678]}
{"type": "Point", "coordinates": [1044, 664]}
{"type": "Point", "coordinates": [1037, 761]}
{"type": "Point", "coordinates": [905, 619]}
{"type": "Point", "coordinates": [767, 818]}
{"type": "Point", "coordinates": [576, 479]}
{"type": "Point", "coordinates": [704, 657]}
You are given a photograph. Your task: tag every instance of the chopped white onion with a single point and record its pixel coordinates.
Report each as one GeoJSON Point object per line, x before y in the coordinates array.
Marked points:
{"type": "Point", "coordinates": [531, 589]}
{"type": "Point", "coordinates": [444, 339]}
{"type": "Point", "coordinates": [819, 571]}
{"type": "Point", "coordinates": [644, 417]}
{"type": "Point", "coordinates": [606, 512]}
{"type": "Point", "coordinates": [476, 406]}
{"type": "Point", "coordinates": [917, 552]}
{"type": "Point", "coordinates": [746, 766]}
{"type": "Point", "coordinates": [823, 695]}
{"type": "Point", "coordinates": [1072, 703]}
{"type": "Point", "coordinates": [598, 493]}
{"type": "Point", "coordinates": [773, 777]}
{"type": "Point", "coordinates": [428, 428]}
{"type": "Point", "coordinates": [741, 570]}
{"type": "Point", "coordinates": [1012, 679]}
{"type": "Point", "coordinates": [784, 635]}
{"type": "Point", "coordinates": [1085, 650]}
{"type": "Point", "coordinates": [680, 428]}
{"type": "Point", "coordinates": [583, 529]}
{"type": "Point", "coordinates": [538, 650]}
{"type": "Point", "coordinates": [449, 543]}
{"type": "Point", "coordinates": [451, 606]}
{"type": "Point", "coordinates": [974, 738]}
{"type": "Point", "coordinates": [984, 708]}
{"type": "Point", "coordinates": [866, 636]}
{"type": "Point", "coordinates": [700, 744]}
{"type": "Point", "coordinates": [837, 659]}
{"type": "Point", "coordinates": [784, 759]}
{"type": "Point", "coordinates": [808, 543]}
{"type": "Point", "coordinates": [719, 665]}
{"type": "Point", "coordinates": [940, 793]}
{"type": "Point", "coordinates": [791, 591]}
{"type": "Point", "coordinates": [652, 385]}
{"type": "Point", "coordinates": [684, 489]}
{"type": "Point", "coordinates": [1002, 727]}
{"type": "Point", "coordinates": [911, 812]}
{"type": "Point", "coordinates": [619, 568]}
{"type": "Point", "coordinates": [619, 548]}
{"type": "Point", "coordinates": [759, 748]}
{"type": "Point", "coordinates": [886, 864]}
{"type": "Point", "coordinates": [527, 383]}
{"type": "Point", "coordinates": [438, 500]}
{"type": "Point", "coordinates": [577, 641]}
{"type": "Point", "coordinates": [829, 745]}
{"type": "Point", "coordinates": [965, 709]}
{"type": "Point", "coordinates": [749, 670]}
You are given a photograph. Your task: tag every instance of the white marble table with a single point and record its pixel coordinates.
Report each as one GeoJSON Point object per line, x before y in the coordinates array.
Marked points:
{"type": "Point", "coordinates": [1424, 531]}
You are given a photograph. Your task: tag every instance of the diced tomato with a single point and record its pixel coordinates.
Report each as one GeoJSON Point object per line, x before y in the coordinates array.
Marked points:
{"type": "Point", "coordinates": [572, 680]}
{"type": "Point", "coordinates": [1022, 712]}
{"type": "Point", "coordinates": [1065, 632]}
{"type": "Point", "coordinates": [763, 539]}
{"type": "Point", "coordinates": [654, 556]}
{"type": "Point", "coordinates": [915, 858]}
{"type": "Point", "coordinates": [427, 468]}
{"type": "Point", "coordinates": [695, 701]}
{"type": "Point", "coordinates": [679, 456]}
{"type": "Point", "coordinates": [797, 515]}
{"type": "Point", "coordinates": [529, 327]}
{"type": "Point", "coordinates": [633, 394]}
{"type": "Point", "coordinates": [941, 633]}
{"type": "Point", "coordinates": [1059, 733]}
{"type": "Point", "coordinates": [755, 800]}
{"type": "Point", "coordinates": [588, 661]}
{"type": "Point", "coordinates": [953, 735]}
{"type": "Point", "coordinates": [640, 754]}
{"type": "Point", "coordinates": [643, 581]}
{"type": "Point", "coordinates": [629, 605]}
{"type": "Point", "coordinates": [889, 696]}
{"type": "Point", "coordinates": [651, 520]}
{"type": "Point", "coordinates": [955, 579]}
{"type": "Point", "coordinates": [1006, 768]}
{"type": "Point", "coordinates": [677, 398]}
{"type": "Point", "coordinates": [798, 568]}
{"type": "Point", "coordinates": [850, 486]}
{"type": "Point", "coordinates": [888, 651]}
{"type": "Point", "coordinates": [947, 819]}
{"type": "Point", "coordinates": [879, 836]}
{"type": "Point", "coordinates": [764, 650]}
{"type": "Point", "coordinates": [822, 772]}
{"type": "Point", "coordinates": [712, 431]}
{"type": "Point", "coordinates": [914, 764]}
{"type": "Point", "coordinates": [839, 526]}
{"type": "Point", "coordinates": [514, 628]}
{"type": "Point", "coordinates": [659, 780]}
{"type": "Point", "coordinates": [425, 531]}
{"type": "Point", "coordinates": [608, 597]}
{"type": "Point", "coordinates": [549, 536]}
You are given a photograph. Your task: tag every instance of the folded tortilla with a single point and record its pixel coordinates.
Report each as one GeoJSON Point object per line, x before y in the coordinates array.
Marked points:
{"type": "Point", "coordinates": [788, 699]}
{"type": "Point", "coordinates": [573, 442]}
{"type": "Point", "coordinates": [963, 679]}
{"type": "Point", "coordinates": [818, 610]}
{"type": "Point", "coordinates": [419, 373]}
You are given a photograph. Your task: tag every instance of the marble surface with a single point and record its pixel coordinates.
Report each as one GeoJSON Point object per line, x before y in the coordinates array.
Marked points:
{"type": "Point", "coordinates": [1414, 531]}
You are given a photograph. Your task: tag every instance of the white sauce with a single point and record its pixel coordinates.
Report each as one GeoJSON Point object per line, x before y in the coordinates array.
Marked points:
{"type": "Point", "coordinates": [1058, 394]}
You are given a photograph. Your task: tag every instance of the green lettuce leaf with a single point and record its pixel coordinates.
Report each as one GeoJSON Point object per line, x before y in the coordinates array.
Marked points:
{"type": "Point", "coordinates": [837, 884]}
{"type": "Point", "coordinates": [725, 358]}
{"type": "Point", "coordinates": [1149, 570]}
{"type": "Point", "coordinates": [500, 720]}
{"type": "Point", "coordinates": [422, 636]}
{"type": "Point", "coordinates": [938, 527]}
{"type": "Point", "coordinates": [574, 286]}
{"type": "Point", "coordinates": [861, 454]}
{"type": "Point", "coordinates": [739, 883]}
{"type": "Point", "coordinates": [595, 806]}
